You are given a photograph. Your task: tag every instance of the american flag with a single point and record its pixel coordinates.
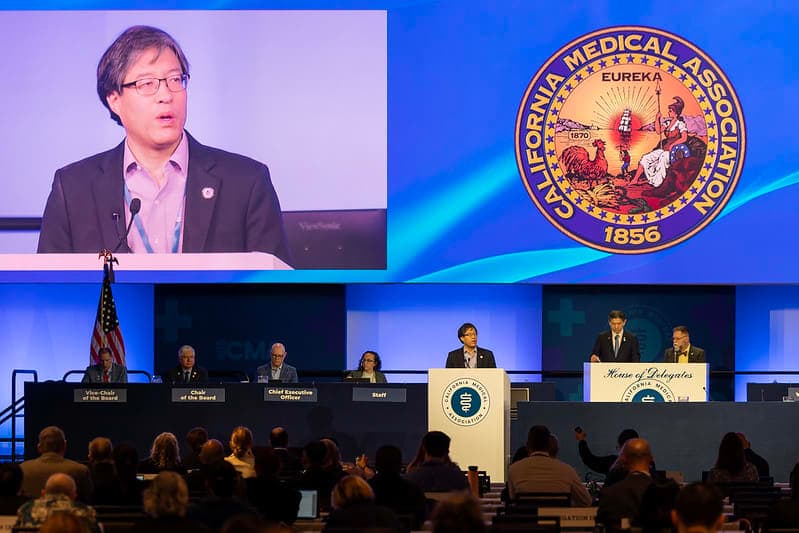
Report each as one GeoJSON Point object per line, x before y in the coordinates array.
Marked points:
{"type": "Point", "coordinates": [106, 326]}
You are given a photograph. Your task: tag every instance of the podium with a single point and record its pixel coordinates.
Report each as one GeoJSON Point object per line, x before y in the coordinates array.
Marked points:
{"type": "Point", "coordinates": [472, 406]}
{"type": "Point", "coordinates": [645, 382]}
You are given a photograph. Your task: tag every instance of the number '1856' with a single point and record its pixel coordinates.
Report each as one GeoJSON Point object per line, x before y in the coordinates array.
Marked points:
{"type": "Point", "coordinates": [632, 236]}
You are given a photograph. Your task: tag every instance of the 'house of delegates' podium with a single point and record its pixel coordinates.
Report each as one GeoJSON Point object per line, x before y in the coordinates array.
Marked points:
{"type": "Point", "coordinates": [645, 382]}
{"type": "Point", "coordinates": [472, 406]}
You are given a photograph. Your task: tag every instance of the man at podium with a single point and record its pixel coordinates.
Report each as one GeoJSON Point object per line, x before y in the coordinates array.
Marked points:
{"type": "Point", "coordinates": [682, 351]}
{"type": "Point", "coordinates": [470, 355]}
{"type": "Point", "coordinates": [616, 345]}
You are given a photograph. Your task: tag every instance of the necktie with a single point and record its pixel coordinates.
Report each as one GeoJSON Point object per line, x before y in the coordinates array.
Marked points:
{"type": "Point", "coordinates": [616, 346]}
{"type": "Point", "coordinates": [105, 376]}
{"type": "Point", "coordinates": [186, 377]}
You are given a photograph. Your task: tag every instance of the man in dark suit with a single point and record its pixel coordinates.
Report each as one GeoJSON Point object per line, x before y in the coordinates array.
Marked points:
{"type": "Point", "coordinates": [682, 351]}
{"type": "Point", "coordinates": [106, 371]}
{"type": "Point", "coordinates": [290, 464]}
{"type": "Point", "coordinates": [616, 345]}
{"type": "Point", "coordinates": [277, 369]}
{"type": "Point", "coordinates": [623, 499]}
{"type": "Point", "coordinates": [193, 198]}
{"type": "Point", "coordinates": [52, 447]}
{"type": "Point", "coordinates": [470, 355]}
{"type": "Point", "coordinates": [186, 372]}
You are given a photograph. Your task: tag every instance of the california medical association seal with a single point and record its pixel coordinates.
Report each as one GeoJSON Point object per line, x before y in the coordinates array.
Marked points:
{"type": "Point", "coordinates": [630, 139]}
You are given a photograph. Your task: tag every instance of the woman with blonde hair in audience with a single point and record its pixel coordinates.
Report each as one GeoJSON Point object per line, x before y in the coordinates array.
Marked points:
{"type": "Point", "coordinates": [241, 456]}
{"type": "Point", "coordinates": [164, 455]}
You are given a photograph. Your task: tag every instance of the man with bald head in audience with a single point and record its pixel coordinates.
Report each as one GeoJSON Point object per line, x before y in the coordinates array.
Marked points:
{"type": "Point", "coordinates": [52, 447]}
{"type": "Point", "coordinates": [59, 494]}
{"type": "Point", "coordinates": [623, 498]}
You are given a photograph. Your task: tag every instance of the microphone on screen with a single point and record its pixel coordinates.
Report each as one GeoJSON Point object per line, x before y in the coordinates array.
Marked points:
{"type": "Point", "coordinates": [135, 207]}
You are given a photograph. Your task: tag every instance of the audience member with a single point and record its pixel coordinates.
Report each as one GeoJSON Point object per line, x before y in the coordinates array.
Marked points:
{"type": "Point", "coordinates": [600, 464]}
{"type": "Point", "coordinates": [354, 508]}
{"type": "Point", "coordinates": [623, 499]}
{"type": "Point", "coordinates": [658, 500]}
{"type": "Point", "coordinates": [542, 473]}
{"type": "Point", "coordinates": [221, 503]}
{"type": "Point", "coordinates": [274, 499]}
{"type": "Point", "coordinates": [103, 472]}
{"type": "Point", "coordinates": [290, 464]}
{"type": "Point", "coordinates": [211, 452]}
{"type": "Point", "coordinates": [126, 461]}
{"type": "Point", "coordinates": [785, 513]}
{"type": "Point", "coordinates": [241, 452]}
{"type": "Point", "coordinates": [164, 455]}
{"type": "Point", "coordinates": [195, 439]}
{"type": "Point", "coordinates": [10, 489]}
{"type": "Point", "coordinates": [731, 464]}
{"type": "Point", "coordinates": [59, 494]}
{"type": "Point", "coordinates": [554, 446]}
{"type": "Point", "coordinates": [63, 522]}
{"type": "Point", "coordinates": [316, 476]}
{"type": "Point", "coordinates": [52, 447]}
{"type": "Point", "coordinates": [698, 509]}
{"type": "Point", "coordinates": [437, 473]}
{"type": "Point", "coordinates": [459, 513]}
{"type": "Point", "coordinates": [395, 492]}
{"type": "Point", "coordinates": [166, 502]}
{"type": "Point", "coordinates": [761, 464]}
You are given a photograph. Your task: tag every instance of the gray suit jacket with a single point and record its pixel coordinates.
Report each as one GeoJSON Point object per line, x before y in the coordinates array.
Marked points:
{"type": "Point", "coordinates": [695, 355]}
{"type": "Point", "coordinates": [242, 215]}
{"type": "Point", "coordinates": [36, 471]}
{"type": "Point", "coordinates": [94, 374]}
{"type": "Point", "coordinates": [288, 374]}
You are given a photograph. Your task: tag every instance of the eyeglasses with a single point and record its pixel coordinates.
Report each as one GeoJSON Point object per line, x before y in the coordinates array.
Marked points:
{"type": "Point", "coordinates": [150, 86]}
{"type": "Point", "coordinates": [369, 361]}
{"type": "Point", "coordinates": [278, 355]}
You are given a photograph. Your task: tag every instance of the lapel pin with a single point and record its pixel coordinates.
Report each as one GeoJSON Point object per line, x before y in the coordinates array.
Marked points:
{"type": "Point", "coordinates": [208, 192]}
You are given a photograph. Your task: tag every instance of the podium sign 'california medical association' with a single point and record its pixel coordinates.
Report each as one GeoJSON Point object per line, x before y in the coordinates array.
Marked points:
{"type": "Point", "coordinates": [630, 139]}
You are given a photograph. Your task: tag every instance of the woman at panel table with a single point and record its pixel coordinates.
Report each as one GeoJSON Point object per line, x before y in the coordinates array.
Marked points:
{"type": "Point", "coordinates": [369, 368]}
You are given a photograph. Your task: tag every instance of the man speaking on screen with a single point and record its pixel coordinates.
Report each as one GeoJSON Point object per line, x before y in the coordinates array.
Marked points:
{"type": "Point", "coordinates": [191, 197]}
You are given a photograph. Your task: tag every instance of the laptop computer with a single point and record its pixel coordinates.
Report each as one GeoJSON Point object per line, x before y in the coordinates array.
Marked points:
{"type": "Point", "coordinates": [309, 505]}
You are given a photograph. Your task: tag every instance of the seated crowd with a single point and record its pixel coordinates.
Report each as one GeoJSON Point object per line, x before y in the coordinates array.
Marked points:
{"type": "Point", "coordinates": [248, 487]}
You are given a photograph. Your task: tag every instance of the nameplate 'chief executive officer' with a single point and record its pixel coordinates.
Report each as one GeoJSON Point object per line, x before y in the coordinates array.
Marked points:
{"type": "Point", "coordinates": [194, 198]}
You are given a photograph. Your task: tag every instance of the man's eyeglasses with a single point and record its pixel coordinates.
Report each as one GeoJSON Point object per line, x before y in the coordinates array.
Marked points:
{"type": "Point", "coordinates": [278, 355]}
{"type": "Point", "coordinates": [150, 86]}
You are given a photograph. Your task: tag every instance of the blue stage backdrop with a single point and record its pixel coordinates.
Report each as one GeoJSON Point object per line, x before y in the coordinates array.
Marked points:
{"type": "Point", "coordinates": [459, 74]}
{"type": "Point", "coordinates": [574, 315]}
{"type": "Point", "coordinates": [232, 327]}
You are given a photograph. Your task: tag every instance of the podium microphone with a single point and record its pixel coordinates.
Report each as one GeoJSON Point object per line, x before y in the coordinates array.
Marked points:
{"type": "Point", "coordinates": [135, 207]}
